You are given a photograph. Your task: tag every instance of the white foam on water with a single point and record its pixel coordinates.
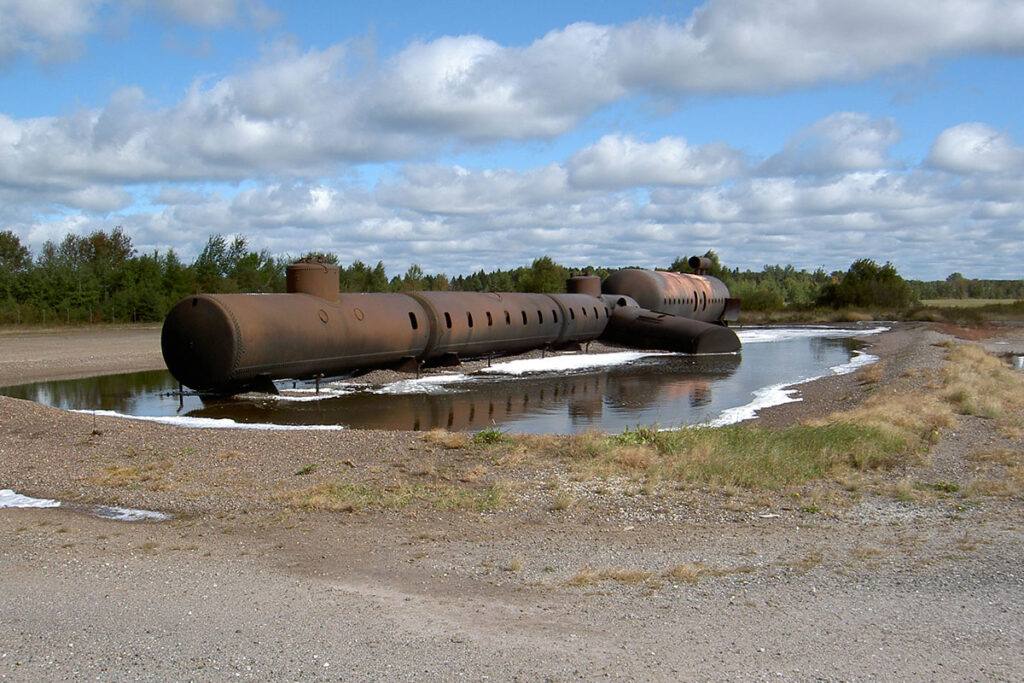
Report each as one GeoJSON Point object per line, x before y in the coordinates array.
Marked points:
{"type": "Point", "coordinates": [566, 363]}
{"type": "Point", "coordinates": [859, 360]}
{"type": "Point", "coordinates": [210, 422]}
{"type": "Point", "coordinates": [307, 395]}
{"type": "Point", "coordinates": [431, 384]}
{"type": "Point", "coordinates": [760, 335]}
{"type": "Point", "coordinates": [766, 397]}
{"type": "Point", "coordinates": [10, 499]}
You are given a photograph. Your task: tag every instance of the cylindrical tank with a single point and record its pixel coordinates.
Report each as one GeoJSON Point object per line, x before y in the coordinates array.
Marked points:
{"type": "Point", "coordinates": [584, 284]}
{"type": "Point", "coordinates": [475, 323]}
{"type": "Point", "coordinates": [650, 330]}
{"type": "Point", "coordinates": [584, 317]}
{"type": "Point", "coordinates": [700, 297]}
{"type": "Point", "coordinates": [218, 342]}
{"type": "Point", "coordinates": [312, 277]}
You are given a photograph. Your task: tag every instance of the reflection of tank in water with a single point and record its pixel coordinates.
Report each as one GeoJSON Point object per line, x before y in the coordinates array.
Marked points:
{"type": "Point", "coordinates": [632, 391]}
{"type": "Point", "coordinates": [227, 343]}
{"type": "Point", "coordinates": [487, 404]}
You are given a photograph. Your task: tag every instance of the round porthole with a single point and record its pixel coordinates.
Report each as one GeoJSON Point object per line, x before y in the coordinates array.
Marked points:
{"type": "Point", "coordinates": [358, 313]}
{"type": "Point", "coordinates": [323, 315]}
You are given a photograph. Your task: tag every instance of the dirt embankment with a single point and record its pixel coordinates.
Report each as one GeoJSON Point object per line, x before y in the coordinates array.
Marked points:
{"type": "Point", "coordinates": [688, 584]}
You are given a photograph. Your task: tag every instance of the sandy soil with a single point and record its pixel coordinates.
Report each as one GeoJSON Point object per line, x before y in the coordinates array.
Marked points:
{"type": "Point", "coordinates": [241, 585]}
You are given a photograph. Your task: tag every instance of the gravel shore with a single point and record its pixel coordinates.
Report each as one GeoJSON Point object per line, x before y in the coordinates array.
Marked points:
{"type": "Point", "coordinates": [240, 583]}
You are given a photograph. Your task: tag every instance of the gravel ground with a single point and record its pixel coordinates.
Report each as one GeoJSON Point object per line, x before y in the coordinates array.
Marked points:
{"type": "Point", "coordinates": [241, 585]}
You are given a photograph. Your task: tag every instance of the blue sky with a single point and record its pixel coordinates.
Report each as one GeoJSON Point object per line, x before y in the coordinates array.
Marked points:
{"type": "Point", "coordinates": [468, 135]}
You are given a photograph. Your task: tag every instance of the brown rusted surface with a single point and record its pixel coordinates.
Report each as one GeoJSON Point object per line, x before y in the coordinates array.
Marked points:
{"type": "Point", "coordinates": [224, 341]}
{"type": "Point", "coordinates": [230, 342]}
{"type": "Point", "coordinates": [312, 277]}
{"type": "Point", "coordinates": [584, 284]}
{"type": "Point", "coordinates": [652, 330]}
{"type": "Point", "coordinates": [699, 297]}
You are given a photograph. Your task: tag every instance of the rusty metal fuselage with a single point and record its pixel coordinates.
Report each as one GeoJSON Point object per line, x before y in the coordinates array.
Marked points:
{"type": "Point", "coordinates": [225, 343]}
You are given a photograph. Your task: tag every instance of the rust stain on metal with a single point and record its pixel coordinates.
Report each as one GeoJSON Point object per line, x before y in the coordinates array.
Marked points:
{"type": "Point", "coordinates": [226, 343]}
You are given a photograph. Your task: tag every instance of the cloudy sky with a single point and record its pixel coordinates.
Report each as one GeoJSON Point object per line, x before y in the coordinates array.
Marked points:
{"type": "Point", "coordinates": [473, 135]}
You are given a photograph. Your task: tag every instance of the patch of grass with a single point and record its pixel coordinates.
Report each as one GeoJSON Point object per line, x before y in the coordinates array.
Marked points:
{"type": "Point", "coordinates": [978, 383]}
{"type": "Point", "coordinates": [904, 490]}
{"type": "Point", "coordinates": [742, 456]}
{"type": "Point", "coordinates": [991, 487]}
{"type": "Point", "coordinates": [965, 303]}
{"type": "Point", "coordinates": [754, 458]}
{"type": "Point", "coordinates": [866, 552]}
{"type": "Point", "coordinates": [563, 501]}
{"type": "Point", "coordinates": [848, 316]}
{"type": "Point", "coordinates": [490, 436]}
{"type": "Point", "coordinates": [589, 577]}
{"type": "Point", "coordinates": [687, 573]}
{"type": "Point", "coordinates": [693, 572]}
{"type": "Point", "coordinates": [151, 476]}
{"type": "Point", "coordinates": [626, 576]}
{"type": "Point", "coordinates": [446, 439]}
{"type": "Point", "coordinates": [806, 563]}
{"type": "Point", "coordinates": [872, 374]}
{"type": "Point", "coordinates": [641, 435]}
{"type": "Point", "coordinates": [1000, 456]}
{"type": "Point", "coordinates": [940, 486]}
{"type": "Point", "coordinates": [584, 577]}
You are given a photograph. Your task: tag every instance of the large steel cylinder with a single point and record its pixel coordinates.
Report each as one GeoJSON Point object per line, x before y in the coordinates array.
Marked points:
{"type": "Point", "coordinates": [221, 342]}
{"type": "Point", "coordinates": [650, 330]}
{"type": "Point", "coordinates": [700, 297]}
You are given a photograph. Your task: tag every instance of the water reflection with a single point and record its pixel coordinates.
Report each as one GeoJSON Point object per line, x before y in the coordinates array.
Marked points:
{"type": "Point", "coordinates": [668, 390]}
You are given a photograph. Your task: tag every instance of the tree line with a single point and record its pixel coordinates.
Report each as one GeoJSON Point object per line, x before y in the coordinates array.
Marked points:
{"type": "Point", "coordinates": [101, 277]}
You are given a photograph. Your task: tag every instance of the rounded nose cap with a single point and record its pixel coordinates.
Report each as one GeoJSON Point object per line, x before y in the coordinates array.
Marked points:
{"type": "Point", "coordinates": [199, 343]}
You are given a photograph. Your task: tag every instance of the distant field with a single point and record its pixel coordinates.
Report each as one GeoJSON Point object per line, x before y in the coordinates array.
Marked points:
{"type": "Point", "coordinates": [965, 303]}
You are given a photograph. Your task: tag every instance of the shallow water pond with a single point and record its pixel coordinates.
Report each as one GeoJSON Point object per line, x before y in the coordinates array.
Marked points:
{"type": "Point", "coordinates": [561, 393]}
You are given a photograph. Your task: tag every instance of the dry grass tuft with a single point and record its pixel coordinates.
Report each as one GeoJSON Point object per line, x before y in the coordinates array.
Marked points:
{"type": "Point", "coordinates": [584, 577]}
{"type": "Point", "coordinates": [866, 552]}
{"type": "Point", "coordinates": [626, 576]}
{"type": "Point", "coordinates": [1001, 473]}
{"type": "Point", "coordinates": [690, 572]}
{"type": "Point", "coordinates": [446, 439]}
{"type": "Point", "coordinates": [978, 383]}
{"type": "Point", "coordinates": [807, 562]}
{"type": "Point", "coordinates": [563, 501]}
{"type": "Point", "coordinates": [152, 476]}
{"type": "Point", "coordinates": [872, 374]}
{"type": "Point", "coordinates": [589, 577]}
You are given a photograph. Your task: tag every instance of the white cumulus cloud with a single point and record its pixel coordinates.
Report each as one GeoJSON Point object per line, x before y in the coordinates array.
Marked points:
{"type": "Point", "coordinates": [975, 147]}
{"type": "Point", "coordinates": [618, 161]}
{"type": "Point", "coordinates": [844, 141]}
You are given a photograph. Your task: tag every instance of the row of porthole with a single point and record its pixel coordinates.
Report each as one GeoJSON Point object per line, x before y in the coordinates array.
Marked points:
{"type": "Point", "coordinates": [704, 301]}
{"type": "Point", "coordinates": [508, 317]}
